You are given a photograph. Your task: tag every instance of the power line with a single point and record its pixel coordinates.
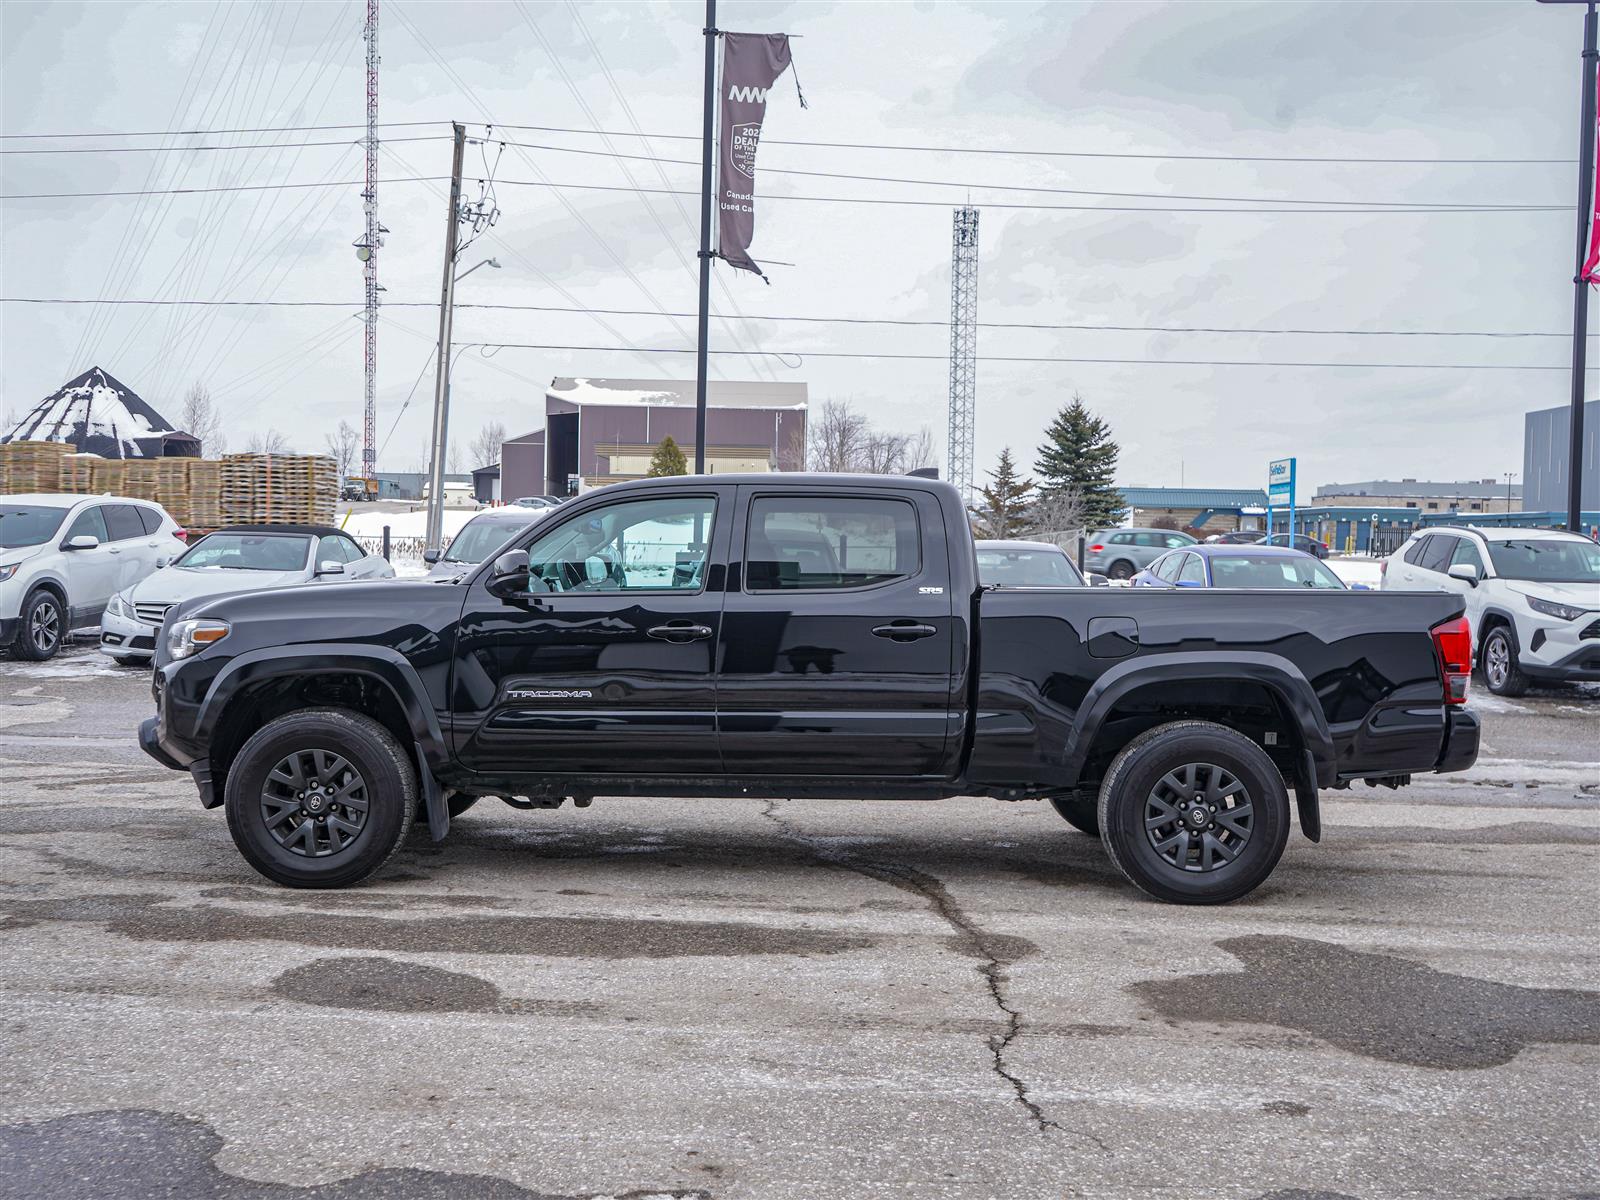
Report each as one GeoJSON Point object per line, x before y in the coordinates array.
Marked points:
{"type": "Point", "coordinates": [211, 132]}
{"type": "Point", "coordinates": [1047, 326]}
{"type": "Point", "coordinates": [431, 137]}
{"type": "Point", "coordinates": [880, 200]}
{"type": "Point", "coordinates": [1025, 187]}
{"type": "Point", "coordinates": [1019, 358]}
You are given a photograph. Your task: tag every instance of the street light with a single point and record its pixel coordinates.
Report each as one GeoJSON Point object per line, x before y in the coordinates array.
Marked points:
{"type": "Point", "coordinates": [441, 418]}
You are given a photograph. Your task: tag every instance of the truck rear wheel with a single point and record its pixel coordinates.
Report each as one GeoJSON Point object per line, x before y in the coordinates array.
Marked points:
{"type": "Point", "coordinates": [321, 798]}
{"type": "Point", "coordinates": [1081, 812]}
{"type": "Point", "coordinates": [1194, 813]}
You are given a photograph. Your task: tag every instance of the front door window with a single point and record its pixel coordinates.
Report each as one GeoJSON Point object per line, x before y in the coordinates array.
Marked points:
{"type": "Point", "coordinates": [639, 546]}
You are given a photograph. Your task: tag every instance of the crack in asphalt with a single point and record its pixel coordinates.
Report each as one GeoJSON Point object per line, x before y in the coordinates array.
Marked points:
{"type": "Point", "coordinates": [976, 942]}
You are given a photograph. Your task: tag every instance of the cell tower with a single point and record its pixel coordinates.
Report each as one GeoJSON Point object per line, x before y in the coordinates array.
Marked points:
{"type": "Point", "coordinates": [963, 347]}
{"type": "Point", "coordinates": [367, 251]}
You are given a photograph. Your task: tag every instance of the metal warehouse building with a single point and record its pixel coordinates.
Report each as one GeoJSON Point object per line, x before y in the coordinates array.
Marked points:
{"type": "Point", "coordinates": [1546, 453]}
{"type": "Point", "coordinates": [599, 431]}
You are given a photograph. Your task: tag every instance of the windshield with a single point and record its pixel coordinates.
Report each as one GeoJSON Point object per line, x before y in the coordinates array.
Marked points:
{"type": "Point", "coordinates": [1270, 571]}
{"type": "Point", "coordinates": [1547, 560]}
{"type": "Point", "coordinates": [248, 552]}
{"type": "Point", "coordinates": [28, 524]}
{"type": "Point", "coordinates": [479, 539]}
{"type": "Point", "coordinates": [1027, 568]}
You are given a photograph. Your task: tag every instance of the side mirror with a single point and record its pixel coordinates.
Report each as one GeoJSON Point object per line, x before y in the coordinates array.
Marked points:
{"type": "Point", "coordinates": [84, 541]}
{"type": "Point", "coordinates": [330, 566]}
{"type": "Point", "coordinates": [1098, 580]}
{"type": "Point", "coordinates": [1464, 571]}
{"type": "Point", "coordinates": [509, 574]}
{"type": "Point", "coordinates": [430, 556]}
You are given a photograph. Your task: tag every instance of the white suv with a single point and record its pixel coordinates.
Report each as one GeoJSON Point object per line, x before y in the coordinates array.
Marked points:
{"type": "Point", "coordinates": [1533, 598]}
{"type": "Point", "coordinates": [62, 557]}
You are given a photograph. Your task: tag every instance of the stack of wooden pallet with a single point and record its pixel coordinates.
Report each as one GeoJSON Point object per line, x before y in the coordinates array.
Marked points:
{"type": "Point", "coordinates": [106, 475]}
{"type": "Point", "coordinates": [76, 471]}
{"type": "Point", "coordinates": [32, 466]}
{"type": "Point", "coordinates": [203, 480]}
{"type": "Point", "coordinates": [140, 479]}
{"type": "Point", "coordinates": [277, 489]}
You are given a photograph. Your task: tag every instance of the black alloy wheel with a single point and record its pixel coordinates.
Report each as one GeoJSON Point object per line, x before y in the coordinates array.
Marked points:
{"type": "Point", "coordinates": [1198, 817]}
{"type": "Point", "coordinates": [314, 803]}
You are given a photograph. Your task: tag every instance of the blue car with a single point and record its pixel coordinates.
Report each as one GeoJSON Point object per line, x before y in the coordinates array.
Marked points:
{"type": "Point", "coordinates": [1219, 566]}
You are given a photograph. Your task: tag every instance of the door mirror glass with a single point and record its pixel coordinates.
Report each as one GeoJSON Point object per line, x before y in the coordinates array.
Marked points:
{"type": "Point", "coordinates": [1464, 571]}
{"type": "Point", "coordinates": [329, 566]}
{"type": "Point", "coordinates": [83, 541]}
{"type": "Point", "coordinates": [1098, 580]}
{"type": "Point", "coordinates": [508, 576]}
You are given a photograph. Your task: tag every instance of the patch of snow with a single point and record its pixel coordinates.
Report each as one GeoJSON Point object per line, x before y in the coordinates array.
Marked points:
{"type": "Point", "coordinates": [405, 524]}
{"type": "Point", "coordinates": [1358, 570]}
{"type": "Point", "coordinates": [1480, 700]}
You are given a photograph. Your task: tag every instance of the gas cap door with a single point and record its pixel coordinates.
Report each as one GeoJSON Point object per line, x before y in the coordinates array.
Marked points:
{"type": "Point", "coordinates": [1113, 637]}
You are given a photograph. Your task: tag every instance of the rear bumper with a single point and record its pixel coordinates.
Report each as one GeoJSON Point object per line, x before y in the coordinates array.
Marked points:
{"type": "Point", "coordinates": [1461, 735]}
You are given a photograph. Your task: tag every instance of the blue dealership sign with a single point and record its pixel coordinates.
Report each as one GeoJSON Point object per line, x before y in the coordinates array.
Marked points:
{"type": "Point", "coordinates": [1280, 490]}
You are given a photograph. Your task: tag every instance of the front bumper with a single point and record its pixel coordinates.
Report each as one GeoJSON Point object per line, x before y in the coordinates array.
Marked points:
{"type": "Point", "coordinates": [1580, 666]}
{"type": "Point", "coordinates": [124, 638]}
{"type": "Point", "coordinates": [1461, 735]}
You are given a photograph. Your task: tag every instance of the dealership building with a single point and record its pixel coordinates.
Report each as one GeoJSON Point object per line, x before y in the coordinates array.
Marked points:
{"type": "Point", "coordinates": [600, 431]}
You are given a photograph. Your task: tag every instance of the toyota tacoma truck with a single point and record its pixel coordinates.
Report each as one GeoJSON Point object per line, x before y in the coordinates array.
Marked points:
{"type": "Point", "coordinates": [799, 635]}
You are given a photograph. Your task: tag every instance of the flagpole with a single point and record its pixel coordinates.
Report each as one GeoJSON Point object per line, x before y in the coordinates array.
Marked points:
{"type": "Point", "coordinates": [705, 238]}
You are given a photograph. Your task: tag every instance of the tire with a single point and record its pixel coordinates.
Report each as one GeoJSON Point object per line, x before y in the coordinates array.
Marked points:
{"type": "Point", "coordinates": [1139, 788]}
{"type": "Point", "coordinates": [1082, 813]}
{"type": "Point", "coordinates": [41, 626]}
{"type": "Point", "coordinates": [1121, 569]}
{"type": "Point", "coordinates": [269, 827]}
{"type": "Point", "coordinates": [1501, 674]}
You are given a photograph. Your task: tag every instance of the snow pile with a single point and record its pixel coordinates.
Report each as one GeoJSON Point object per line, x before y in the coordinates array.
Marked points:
{"type": "Point", "coordinates": [97, 414]}
{"type": "Point", "coordinates": [404, 524]}
{"type": "Point", "coordinates": [1358, 570]}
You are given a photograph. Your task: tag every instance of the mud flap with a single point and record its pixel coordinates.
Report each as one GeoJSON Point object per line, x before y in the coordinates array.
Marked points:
{"type": "Point", "coordinates": [438, 804]}
{"type": "Point", "coordinates": [1305, 797]}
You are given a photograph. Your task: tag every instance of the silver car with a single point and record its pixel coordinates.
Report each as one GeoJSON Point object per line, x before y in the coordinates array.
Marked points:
{"type": "Point", "coordinates": [481, 537]}
{"type": "Point", "coordinates": [1123, 553]}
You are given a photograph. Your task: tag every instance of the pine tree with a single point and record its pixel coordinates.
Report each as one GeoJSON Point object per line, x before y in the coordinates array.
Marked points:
{"type": "Point", "coordinates": [1006, 502]}
{"type": "Point", "coordinates": [667, 460]}
{"type": "Point", "coordinates": [1079, 457]}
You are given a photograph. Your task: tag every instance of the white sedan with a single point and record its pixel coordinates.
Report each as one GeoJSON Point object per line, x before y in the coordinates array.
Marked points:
{"type": "Point", "coordinates": [241, 558]}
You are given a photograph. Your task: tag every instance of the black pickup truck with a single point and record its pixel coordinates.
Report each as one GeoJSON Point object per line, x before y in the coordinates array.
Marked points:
{"type": "Point", "coordinates": [799, 636]}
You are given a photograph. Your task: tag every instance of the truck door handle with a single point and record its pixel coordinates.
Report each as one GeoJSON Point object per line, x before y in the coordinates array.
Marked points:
{"type": "Point", "coordinates": [904, 631]}
{"type": "Point", "coordinates": [677, 631]}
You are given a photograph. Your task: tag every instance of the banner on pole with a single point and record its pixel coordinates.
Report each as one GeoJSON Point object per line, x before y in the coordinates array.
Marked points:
{"type": "Point", "coordinates": [1592, 262]}
{"type": "Point", "coordinates": [751, 63]}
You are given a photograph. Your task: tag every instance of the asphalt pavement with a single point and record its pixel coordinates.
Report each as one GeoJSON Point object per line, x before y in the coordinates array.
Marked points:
{"type": "Point", "coordinates": [726, 999]}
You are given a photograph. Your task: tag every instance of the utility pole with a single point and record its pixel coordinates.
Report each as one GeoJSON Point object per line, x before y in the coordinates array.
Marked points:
{"type": "Point", "coordinates": [368, 252]}
{"type": "Point", "coordinates": [707, 117]}
{"type": "Point", "coordinates": [963, 348]}
{"type": "Point", "coordinates": [441, 386]}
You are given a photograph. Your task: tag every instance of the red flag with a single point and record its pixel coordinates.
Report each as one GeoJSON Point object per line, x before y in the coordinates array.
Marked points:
{"type": "Point", "coordinates": [1588, 274]}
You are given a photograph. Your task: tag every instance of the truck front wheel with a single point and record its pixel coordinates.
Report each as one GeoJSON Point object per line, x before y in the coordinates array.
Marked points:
{"type": "Point", "coordinates": [321, 798]}
{"type": "Point", "coordinates": [1194, 813]}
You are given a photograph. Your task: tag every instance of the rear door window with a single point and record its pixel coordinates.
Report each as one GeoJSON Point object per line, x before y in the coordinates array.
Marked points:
{"type": "Point", "coordinates": [1413, 554]}
{"type": "Point", "coordinates": [1437, 555]}
{"type": "Point", "coordinates": [829, 542]}
{"type": "Point", "coordinates": [123, 522]}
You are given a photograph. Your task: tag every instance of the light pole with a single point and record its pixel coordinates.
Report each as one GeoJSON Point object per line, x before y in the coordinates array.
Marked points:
{"type": "Point", "coordinates": [441, 424]}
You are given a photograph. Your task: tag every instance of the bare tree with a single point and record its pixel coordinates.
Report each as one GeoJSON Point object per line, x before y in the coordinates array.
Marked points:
{"type": "Point", "coordinates": [270, 442]}
{"type": "Point", "coordinates": [452, 458]}
{"type": "Point", "coordinates": [342, 445]}
{"type": "Point", "coordinates": [835, 437]}
{"type": "Point", "coordinates": [486, 446]}
{"type": "Point", "coordinates": [201, 418]}
{"type": "Point", "coordinates": [1058, 517]}
{"type": "Point", "coordinates": [921, 451]}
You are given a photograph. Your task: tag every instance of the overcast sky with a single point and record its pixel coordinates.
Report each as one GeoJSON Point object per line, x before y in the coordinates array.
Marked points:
{"type": "Point", "coordinates": [1424, 81]}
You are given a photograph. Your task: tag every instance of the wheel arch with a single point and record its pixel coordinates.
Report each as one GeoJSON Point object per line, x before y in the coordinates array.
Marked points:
{"type": "Point", "coordinates": [259, 686]}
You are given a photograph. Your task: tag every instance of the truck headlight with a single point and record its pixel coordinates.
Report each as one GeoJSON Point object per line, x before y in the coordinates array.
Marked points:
{"type": "Point", "coordinates": [1563, 612]}
{"type": "Point", "coordinates": [187, 638]}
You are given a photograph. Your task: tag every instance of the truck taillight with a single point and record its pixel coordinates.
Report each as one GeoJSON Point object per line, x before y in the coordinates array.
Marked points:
{"type": "Point", "coordinates": [1452, 641]}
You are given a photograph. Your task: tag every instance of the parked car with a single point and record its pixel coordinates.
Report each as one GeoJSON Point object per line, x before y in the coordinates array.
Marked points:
{"type": "Point", "coordinates": [1121, 553]}
{"type": "Point", "coordinates": [63, 556]}
{"type": "Point", "coordinates": [1025, 564]}
{"type": "Point", "coordinates": [239, 558]}
{"type": "Point", "coordinates": [481, 537]}
{"type": "Point", "coordinates": [1532, 598]}
{"type": "Point", "coordinates": [1302, 543]}
{"type": "Point", "coordinates": [533, 502]}
{"type": "Point", "coordinates": [1215, 566]}
{"type": "Point", "coordinates": [1236, 537]}
{"type": "Point", "coordinates": [655, 638]}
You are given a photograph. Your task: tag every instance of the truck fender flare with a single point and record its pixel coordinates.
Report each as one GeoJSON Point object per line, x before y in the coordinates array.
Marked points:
{"type": "Point", "coordinates": [1278, 675]}
{"type": "Point", "coordinates": [381, 663]}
